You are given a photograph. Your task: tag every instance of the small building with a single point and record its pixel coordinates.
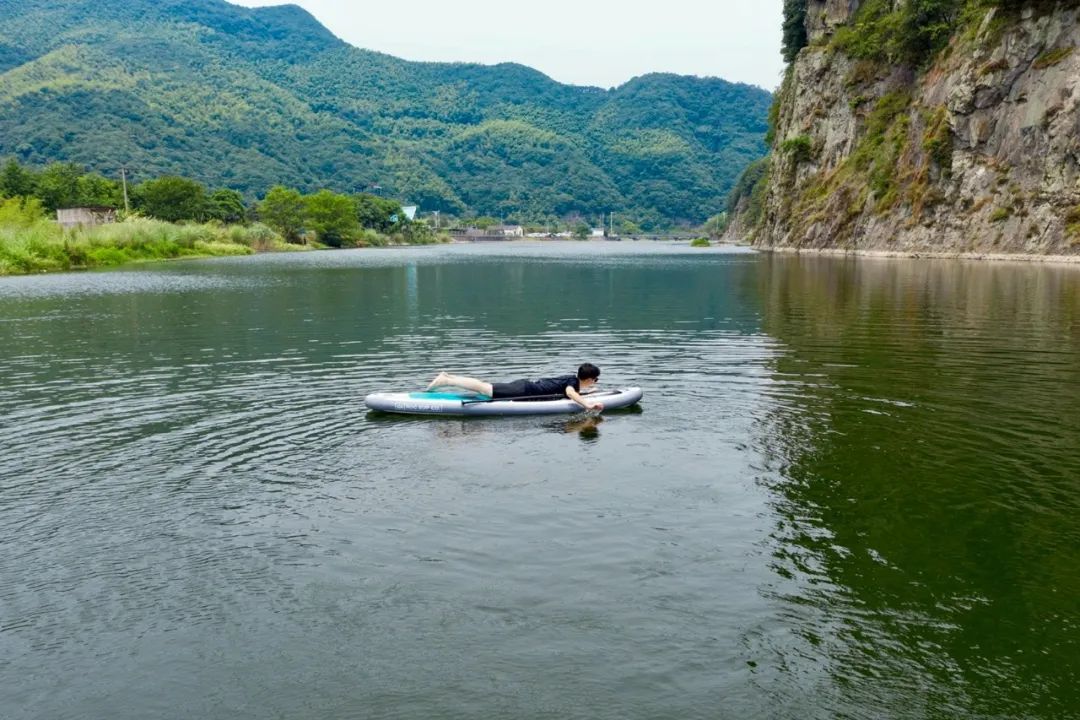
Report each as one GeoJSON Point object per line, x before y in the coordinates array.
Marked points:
{"type": "Point", "coordinates": [597, 233]}
{"type": "Point", "coordinates": [509, 230]}
{"type": "Point", "coordinates": [85, 216]}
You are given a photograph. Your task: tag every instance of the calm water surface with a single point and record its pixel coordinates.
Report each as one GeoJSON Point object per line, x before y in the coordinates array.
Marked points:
{"type": "Point", "coordinates": [852, 490]}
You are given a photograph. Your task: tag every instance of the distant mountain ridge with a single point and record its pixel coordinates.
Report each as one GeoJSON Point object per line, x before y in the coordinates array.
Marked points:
{"type": "Point", "coordinates": [249, 98]}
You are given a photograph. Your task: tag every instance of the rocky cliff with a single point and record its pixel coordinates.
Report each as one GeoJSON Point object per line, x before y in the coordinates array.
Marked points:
{"type": "Point", "coordinates": [886, 136]}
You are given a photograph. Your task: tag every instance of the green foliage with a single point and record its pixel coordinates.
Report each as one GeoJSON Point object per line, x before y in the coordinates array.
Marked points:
{"type": "Point", "coordinates": [332, 217]}
{"type": "Point", "coordinates": [938, 140]}
{"type": "Point", "coordinates": [171, 199]}
{"type": "Point", "coordinates": [1072, 222]}
{"type": "Point", "coordinates": [794, 37]}
{"type": "Point", "coordinates": [58, 185]}
{"type": "Point", "coordinates": [93, 190]}
{"type": "Point", "coordinates": [284, 210]}
{"type": "Point", "coordinates": [484, 222]}
{"type": "Point", "coordinates": [418, 233]}
{"type": "Point", "coordinates": [1000, 214]}
{"type": "Point", "coordinates": [700, 242]}
{"type": "Point", "coordinates": [21, 211]}
{"type": "Point", "coordinates": [755, 174]}
{"type": "Point", "coordinates": [249, 98]}
{"type": "Point", "coordinates": [715, 226]}
{"type": "Point", "coordinates": [912, 32]}
{"type": "Point", "coordinates": [41, 245]}
{"type": "Point", "coordinates": [377, 213]}
{"type": "Point", "coordinates": [582, 231]}
{"type": "Point", "coordinates": [15, 180]}
{"type": "Point", "coordinates": [800, 148]}
{"type": "Point", "coordinates": [878, 124]}
{"type": "Point", "coordinates": [755, 210]}
{"type": "Point", "coordinates": [227, 206]}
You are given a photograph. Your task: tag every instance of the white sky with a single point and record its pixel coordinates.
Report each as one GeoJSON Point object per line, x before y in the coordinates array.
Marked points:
{"type": "Point", "coordinates": [583, 42]}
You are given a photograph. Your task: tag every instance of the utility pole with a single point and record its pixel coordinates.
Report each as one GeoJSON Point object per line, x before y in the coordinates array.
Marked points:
{"type": "Point", "coordinates": [127, 205]}
{"type": "Point", "coordinates": [436, 220]}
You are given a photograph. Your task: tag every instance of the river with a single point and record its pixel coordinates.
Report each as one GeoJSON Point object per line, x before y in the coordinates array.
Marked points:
{"type": "Point", "coordinates": [852, 488]}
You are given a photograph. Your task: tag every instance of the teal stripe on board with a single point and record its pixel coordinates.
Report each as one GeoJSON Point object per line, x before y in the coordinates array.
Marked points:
{"type": "Point", "coordinates": [446, 396]}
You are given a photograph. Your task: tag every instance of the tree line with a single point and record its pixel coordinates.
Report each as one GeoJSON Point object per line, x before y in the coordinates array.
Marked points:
{"type": "Point", "coordinates": [333, 219]}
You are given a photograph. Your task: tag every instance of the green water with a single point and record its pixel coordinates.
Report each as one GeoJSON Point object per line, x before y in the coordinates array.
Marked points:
{"type": "Point", "coordinates": [852, 489]}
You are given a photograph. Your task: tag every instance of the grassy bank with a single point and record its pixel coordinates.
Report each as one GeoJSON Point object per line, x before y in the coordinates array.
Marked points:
{"type": "Point", "coordinates": [44, 246]}
{"type": "Point", "coordinates": [32, 243]}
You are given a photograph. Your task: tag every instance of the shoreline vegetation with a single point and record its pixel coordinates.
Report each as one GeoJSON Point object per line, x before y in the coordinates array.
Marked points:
{"type": "Point", "coordinates": [174, 217]}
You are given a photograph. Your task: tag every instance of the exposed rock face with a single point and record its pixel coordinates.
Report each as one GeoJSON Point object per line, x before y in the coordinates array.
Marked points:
{"type": "Point", "coordinates": [980, 152]}
{"type": "Point", "coordinates": [824, 16]}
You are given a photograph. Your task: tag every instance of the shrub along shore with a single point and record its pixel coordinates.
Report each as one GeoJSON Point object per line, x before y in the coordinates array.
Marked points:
{"type": "Point", "coordinates": [44, 246]}
{"type": "Point", "coordinates": [32, 243]}
{"type": "Point", "coordinates": [175, 217]}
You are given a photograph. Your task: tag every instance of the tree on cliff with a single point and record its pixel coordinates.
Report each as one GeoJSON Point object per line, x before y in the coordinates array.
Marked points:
{"type": "Point", "coordinates": [794, 28]}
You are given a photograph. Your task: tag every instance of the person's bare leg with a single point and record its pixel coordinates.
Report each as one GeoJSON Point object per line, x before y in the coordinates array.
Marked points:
{"type": "Point", "coordinates": [439, 381]}
{"type": "Point", "coordinates": [477, 386]}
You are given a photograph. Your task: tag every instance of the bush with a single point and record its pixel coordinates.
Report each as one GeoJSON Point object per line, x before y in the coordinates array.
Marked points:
{"type": "Point", "coordinates": [44, 246]}
{"type": "Point", "coordinates": [21, 211]}
{"type": "Point", "coordinates": [715, 226]}
{"type": "Point", "coordinates": [1072, 222]}
{"type": "Point", "coordinates": [911, 33]}
{"type": "Point", "coordinates": [284, 210]}
{"type": "Point", "coordinates": [172, 199]}
{"type": "Point", "coordinates": [938, 140]}
{"type": "Point", "coordinates": [332, 217]}
{"type": "Point", "coordinates": [801, 149]}
{"type": "Point", "coordinates": [369, 238]}
{"type": "Point", "coordinates": [419, 232]}
{"type": "Point", "coordinates": [700, 242]}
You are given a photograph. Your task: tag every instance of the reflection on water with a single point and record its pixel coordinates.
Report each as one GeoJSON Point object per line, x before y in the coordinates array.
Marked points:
{"type": "Point", "coordinates": [587, 428]}
{"type": "Point", "coordinates": [850, 490]}
{"type": "Point", "coordinates": [924, 471]}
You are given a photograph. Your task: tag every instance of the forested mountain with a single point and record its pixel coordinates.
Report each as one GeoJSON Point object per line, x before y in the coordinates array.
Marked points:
{"type": "Point", "coordinates": [249, 98]}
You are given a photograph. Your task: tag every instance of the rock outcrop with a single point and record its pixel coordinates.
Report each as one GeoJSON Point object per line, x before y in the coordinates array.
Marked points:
{"type": "Point", "coordinates": [977, 150]}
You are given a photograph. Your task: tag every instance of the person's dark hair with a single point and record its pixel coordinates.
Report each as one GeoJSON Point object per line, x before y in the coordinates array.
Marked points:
{"type": "Point", "coordinates": [588, 371]}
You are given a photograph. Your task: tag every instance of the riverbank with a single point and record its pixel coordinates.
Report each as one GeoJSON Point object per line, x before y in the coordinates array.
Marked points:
{"type": "Point", "coordinates": [41, 246]}
{"type": "Point", "coordinates": [44, 246]}
{"type": "Point", "coordinates": [923, 254]}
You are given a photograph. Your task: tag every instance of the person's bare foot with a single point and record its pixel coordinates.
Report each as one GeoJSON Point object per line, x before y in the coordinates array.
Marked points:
{"type": "Point", "coordinates": [439, 381]}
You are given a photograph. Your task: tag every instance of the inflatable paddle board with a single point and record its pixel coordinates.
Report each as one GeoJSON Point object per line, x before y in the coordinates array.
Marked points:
{"type": "Point", "coordinates": [465, 403]}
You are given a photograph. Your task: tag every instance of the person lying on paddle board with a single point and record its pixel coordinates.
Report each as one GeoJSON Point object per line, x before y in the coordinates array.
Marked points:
{"type": "Point", "coordinates": [569, 385]}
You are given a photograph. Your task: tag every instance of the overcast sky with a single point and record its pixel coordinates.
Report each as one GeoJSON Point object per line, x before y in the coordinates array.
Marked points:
{"type": "Point", "coordinates": [584, 42]}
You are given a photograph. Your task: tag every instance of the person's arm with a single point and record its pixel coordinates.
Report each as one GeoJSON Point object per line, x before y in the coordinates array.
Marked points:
{"type": "Point", "coordinates": [577, 397]}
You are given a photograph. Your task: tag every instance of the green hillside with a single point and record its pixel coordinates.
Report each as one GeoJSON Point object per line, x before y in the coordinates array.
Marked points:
{"type": "Point", "coordinates": [250, 98]}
